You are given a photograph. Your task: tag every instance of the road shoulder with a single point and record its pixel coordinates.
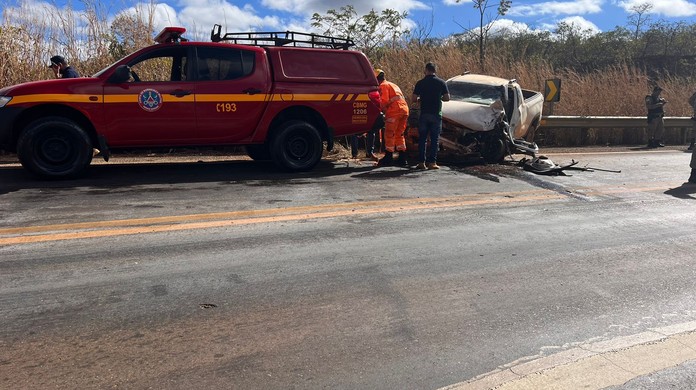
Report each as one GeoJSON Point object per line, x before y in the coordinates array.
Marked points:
{"type": "Point", "coordinates": [596, 365]}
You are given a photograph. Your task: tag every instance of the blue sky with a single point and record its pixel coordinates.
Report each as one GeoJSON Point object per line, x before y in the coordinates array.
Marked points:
{"type": "Point", "coordinates": [447, 16]}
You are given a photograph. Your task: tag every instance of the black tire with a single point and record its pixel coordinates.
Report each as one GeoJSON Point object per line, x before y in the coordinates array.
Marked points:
{"type": "Point", "coordinates": [258, 152]}
{"type": "Point", "coordinates": [54, 147]}
{"type": "Point", "coordinates": [493, 150]}
{"type": "Point", "coordinates": [296, 146]}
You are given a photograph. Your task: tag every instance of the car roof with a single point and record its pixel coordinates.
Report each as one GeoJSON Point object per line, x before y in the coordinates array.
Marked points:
{"type": "Point", "coordinates": [479, 79]}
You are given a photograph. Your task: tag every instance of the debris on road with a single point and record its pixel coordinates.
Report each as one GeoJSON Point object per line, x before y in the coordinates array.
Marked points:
{"type": "Point", "coordinates": [543, 165]}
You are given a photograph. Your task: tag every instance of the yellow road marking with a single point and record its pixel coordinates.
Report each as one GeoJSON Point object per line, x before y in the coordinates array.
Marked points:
{"type": "Point", "coordinates": [23, 235]}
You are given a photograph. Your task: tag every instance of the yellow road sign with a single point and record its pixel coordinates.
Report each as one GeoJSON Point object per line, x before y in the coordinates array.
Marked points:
{"type": "Point", "coordinates": [552, 91]}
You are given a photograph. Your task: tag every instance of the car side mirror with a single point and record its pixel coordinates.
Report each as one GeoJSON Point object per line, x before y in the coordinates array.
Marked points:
{"type": "Point", "coordinates": [120, 75]}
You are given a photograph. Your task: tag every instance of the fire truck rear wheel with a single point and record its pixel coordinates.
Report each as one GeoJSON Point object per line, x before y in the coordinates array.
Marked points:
{"type": "Point", "coordinates": [296, 146]}
{"type": "Point", "coordinates": [54, 147]}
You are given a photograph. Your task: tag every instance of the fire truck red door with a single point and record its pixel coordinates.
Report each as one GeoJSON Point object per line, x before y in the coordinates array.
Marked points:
{"type": "Point", "coordinates": [157, 105]}
{"type": "Point", "coordinates": [231, 92]}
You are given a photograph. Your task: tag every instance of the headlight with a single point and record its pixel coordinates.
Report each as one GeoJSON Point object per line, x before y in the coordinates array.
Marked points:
{"type": "Point", "coordinates": [4, 100]}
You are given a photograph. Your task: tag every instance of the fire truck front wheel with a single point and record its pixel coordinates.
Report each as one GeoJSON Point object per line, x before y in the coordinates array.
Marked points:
{"type": "Point", "coordinates": [54, 147]}
{"type": "Point", "coordinates": [296, 146]}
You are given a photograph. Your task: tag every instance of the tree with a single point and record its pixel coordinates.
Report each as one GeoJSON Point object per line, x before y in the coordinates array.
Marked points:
{"type": "Point", "coordinates": [639, 17]}
{"type": "Point", "coordinates": [370, 32]}
{"type": "Point", "coordinates": [132, 30]}
{"type": "Point", "coordinates": [486, 22]}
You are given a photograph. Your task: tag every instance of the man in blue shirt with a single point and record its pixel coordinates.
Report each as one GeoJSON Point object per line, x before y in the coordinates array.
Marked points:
{"type": "Point", "coordinates": [430, 92]}
{"type": "Point", "coordinates": [62, 69]}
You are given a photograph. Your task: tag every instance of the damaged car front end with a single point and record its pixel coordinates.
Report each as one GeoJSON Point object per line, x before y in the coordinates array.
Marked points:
{"type": "Point", "coordinates": [488, 117]}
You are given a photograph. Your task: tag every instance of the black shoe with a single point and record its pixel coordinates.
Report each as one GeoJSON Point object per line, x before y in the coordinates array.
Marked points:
{"type": "Point", "coordinates": [387, 160]}
{"type": "Point", "coordinates": [692, 178]}
{"type": "Point", "coordinates": [402, 161]}
{"type": "Point", "coordinates": [659, 144]}
{"type": "Point", "coordinates": [651, 144]}
{"type": "Point", "coordinates": [691, 147]}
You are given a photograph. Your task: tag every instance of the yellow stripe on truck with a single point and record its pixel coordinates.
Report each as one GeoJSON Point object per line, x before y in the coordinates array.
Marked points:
{"type": "Point", "coordinates": [49, 98]}
{"type": "Point", "coordinates": [167, 98]}
{"type": "Point", "coordinates": [218, 97]}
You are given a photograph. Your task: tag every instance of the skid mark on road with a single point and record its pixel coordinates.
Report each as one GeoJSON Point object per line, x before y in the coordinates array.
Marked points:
{"type": "Point", "coordinates": [97, 229]}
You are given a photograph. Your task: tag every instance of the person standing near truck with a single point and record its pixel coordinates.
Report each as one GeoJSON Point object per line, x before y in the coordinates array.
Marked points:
{"type": "Point", "coordinates": [61, 68]}
{"type": "Point", "coordinates": [395, 109]}
{"type": "Point", "coordinates": [430, 91]}
{"type": "Point", "coordinates": [692, 104]}
{"type": "Point", "coordinates": [656, 112]}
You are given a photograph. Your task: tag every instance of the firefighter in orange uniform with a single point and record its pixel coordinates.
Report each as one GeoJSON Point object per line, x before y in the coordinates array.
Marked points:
{"type": "Point", "coordinates": [395, 109]}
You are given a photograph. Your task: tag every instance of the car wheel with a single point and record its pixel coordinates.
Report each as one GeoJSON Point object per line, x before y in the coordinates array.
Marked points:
{"type": "Point", "coordinates": [54, 147]}
{"type": "Point", "coordinates": [296, 146]}
{"type": "Point", "coordinates": [258, 152]}
{"type": "Point", "coordinates": [493, 150]}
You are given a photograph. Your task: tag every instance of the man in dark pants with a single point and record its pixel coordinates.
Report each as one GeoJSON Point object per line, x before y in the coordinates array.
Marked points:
{"type": "Point", "coordinates": [430, 92]}
{"type": "Point", "coordinates": [62, 69]}
{"type": "Point", "coordinates": [370, 137]}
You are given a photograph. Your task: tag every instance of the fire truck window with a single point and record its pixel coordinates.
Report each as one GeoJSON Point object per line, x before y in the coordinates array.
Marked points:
{"type": "Point", "coordinates": [217, 63]}
{"type": "Point", "coordinates": [161, 65]}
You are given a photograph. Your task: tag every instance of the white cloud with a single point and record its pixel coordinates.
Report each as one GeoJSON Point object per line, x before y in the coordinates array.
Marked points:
{"type": "Point", "coordinates": [581, 24]}
{"type": "Point", "coordinates": [362, 7]}
{"type": "Point", "coordinates": [199, 16]}
{"type": "Point", "coordinates": [578, 7]}
{"type": "Point", "coordinates": [509, 26]}
{"type": "Point", "coordinates": [668, 8]}
{"type": "Point", "coordinates": [306, 8]}
{"type": "Point", "coordinates": [43, 14]}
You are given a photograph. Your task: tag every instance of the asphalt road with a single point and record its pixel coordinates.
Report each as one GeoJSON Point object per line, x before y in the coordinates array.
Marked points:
{"type": "Point", "coordinates": [227, 274]}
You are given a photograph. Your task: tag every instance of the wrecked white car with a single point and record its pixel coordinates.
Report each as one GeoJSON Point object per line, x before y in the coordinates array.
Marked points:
{"type": "Point", "coordinates": [488, 117]}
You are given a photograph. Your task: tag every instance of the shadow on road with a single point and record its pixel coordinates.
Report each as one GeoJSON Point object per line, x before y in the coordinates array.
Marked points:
{"type": "Point", "coordinates": [685, 191]}
{"type": "Point", "coordinates": [114, 175]}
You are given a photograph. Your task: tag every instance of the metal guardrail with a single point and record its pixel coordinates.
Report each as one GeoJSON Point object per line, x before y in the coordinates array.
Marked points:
{"type": "Point", "coordinates": [617, 122]}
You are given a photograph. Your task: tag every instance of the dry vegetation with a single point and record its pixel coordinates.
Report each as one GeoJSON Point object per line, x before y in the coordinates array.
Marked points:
{"type": "Point", "coordinates": [98, 41]}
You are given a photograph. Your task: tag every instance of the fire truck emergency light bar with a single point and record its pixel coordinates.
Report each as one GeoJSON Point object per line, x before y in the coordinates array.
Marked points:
{"type": "Point", "coordinates": [171, 34]}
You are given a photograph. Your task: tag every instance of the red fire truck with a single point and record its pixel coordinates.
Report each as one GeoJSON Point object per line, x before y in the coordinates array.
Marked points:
{"type": "Point", "coordinates": [280, 94]}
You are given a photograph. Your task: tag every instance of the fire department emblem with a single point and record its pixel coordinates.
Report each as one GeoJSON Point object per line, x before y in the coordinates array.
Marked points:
{"type": "Point", "coordinates": [150, 100]}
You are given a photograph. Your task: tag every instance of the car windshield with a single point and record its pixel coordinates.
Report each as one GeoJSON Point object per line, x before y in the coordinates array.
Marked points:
{"type": "Point", "coordinates": [475, 93]}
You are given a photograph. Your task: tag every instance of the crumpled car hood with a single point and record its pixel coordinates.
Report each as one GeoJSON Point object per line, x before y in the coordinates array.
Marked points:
{"type": "Point", "coordinates": [477, 117]}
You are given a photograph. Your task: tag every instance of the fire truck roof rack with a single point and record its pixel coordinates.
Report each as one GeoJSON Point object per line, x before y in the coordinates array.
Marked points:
{"type": "Point", "coordinates": [281, 38]}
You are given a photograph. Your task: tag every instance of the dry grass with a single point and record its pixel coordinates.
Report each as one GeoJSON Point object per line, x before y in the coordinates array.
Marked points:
{"type": "Point", "coordinates": [96, 42]}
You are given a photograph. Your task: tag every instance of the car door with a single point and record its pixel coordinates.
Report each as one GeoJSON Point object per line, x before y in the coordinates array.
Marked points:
{"type": "Point", "coordinates": [232, 92]}
{"type": "Point", "coordinates": [519, 115]}
{"type": "Point", "coordinates": [157, 105]}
